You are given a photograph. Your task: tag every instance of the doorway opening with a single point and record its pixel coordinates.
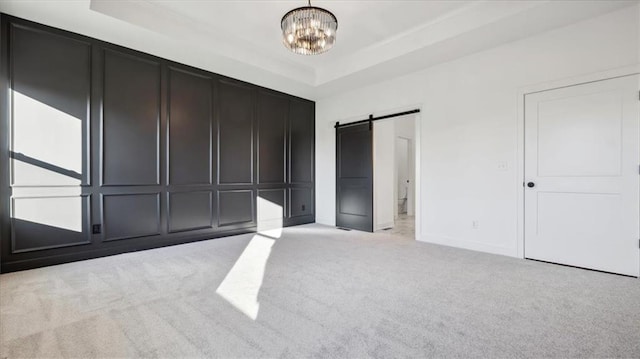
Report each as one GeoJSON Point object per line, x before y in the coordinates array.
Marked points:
{"type": "Point", "coordinates": [367, 190]}
{"type": "Point", "coordinates": [394, 176]}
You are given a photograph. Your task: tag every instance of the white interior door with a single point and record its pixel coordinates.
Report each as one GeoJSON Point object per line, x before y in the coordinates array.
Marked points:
{"type": "Point", "coordinates": [582, 158]}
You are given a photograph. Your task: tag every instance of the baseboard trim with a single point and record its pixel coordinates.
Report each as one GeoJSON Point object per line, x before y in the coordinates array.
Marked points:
{"type": "Point", "coordinates": [326, 221]}
{"type": "Point", "coordinates": [465, 244]}
{"type": "Point", "coordinates": [32, 263]}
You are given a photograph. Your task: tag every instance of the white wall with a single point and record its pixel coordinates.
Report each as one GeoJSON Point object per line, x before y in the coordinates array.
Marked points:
{"type": "Point", "coordinates": [469, 125]}
{"type": "Point", "coordinates": [383, 174]}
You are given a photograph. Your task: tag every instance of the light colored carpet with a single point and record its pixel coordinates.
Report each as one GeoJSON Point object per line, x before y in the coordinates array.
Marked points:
{"type": "Point", "coordinates": [317, 292]}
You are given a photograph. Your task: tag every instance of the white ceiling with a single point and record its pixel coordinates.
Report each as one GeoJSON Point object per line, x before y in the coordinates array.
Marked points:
{"type": "Point", "coordinates": [376, 40]}
{"type": "Point", "coordinates": [361, 24]}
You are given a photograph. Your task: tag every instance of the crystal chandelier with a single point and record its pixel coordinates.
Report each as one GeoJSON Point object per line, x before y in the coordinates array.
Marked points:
{"type": "Point", "coordinates": [309, 30]}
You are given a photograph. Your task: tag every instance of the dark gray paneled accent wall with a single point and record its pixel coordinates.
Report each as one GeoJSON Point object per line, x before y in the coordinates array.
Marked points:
{"type": "Point", "coordinates": [130, 215]}
{"type": "Point", "coordinates": [273, 113]}
{"type": "Point", "coordinates": [189, 211]}
{"type": "Point", "coordinates": [301, 161]}
{"type": "Point", "coordinates": [130, 120]}
{"type": "Point", "coordinates": [190, 128]}
{"type": "Point", "coordinates": [136, 152]}
{"type": "Point", "coordinates": [302, 142]}
{"type": "Point", "coordinates": [28, 236]}
{"type": "Point", "coordinates": [236, 208]}
{"type": "Point", "coordinates": [50, 70]}
{"type": "Point", "coordinates": [274, 196]}
{"type": "Point", "coordinates": [236, 113]}
{"type": "Point", "coordinates": [300, 199]}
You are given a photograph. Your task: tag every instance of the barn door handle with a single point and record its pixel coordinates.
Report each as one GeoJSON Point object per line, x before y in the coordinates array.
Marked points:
{"type": "Point", "coordinates": [531, 184]}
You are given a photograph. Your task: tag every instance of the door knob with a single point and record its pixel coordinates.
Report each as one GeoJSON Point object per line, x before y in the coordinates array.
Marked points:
{"type": "Point", "coordinates": [531, 184]}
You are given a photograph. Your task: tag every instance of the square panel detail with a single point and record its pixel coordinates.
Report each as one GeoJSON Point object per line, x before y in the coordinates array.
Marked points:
{"type": "Point", "coordinates": [300, 202]}
{"type": "Point", "coordinates": [580, 136]}
{"type": "Point", "coordinates": [131, 120]}
{"type": "Point", "coordinates": [40, 223]}
{"type": "Point", "coordinates": [235, 207]}
{"type": "Point", "coordinates": [130, 215]}
{"type": "Point", "coordinates": [190, 211]}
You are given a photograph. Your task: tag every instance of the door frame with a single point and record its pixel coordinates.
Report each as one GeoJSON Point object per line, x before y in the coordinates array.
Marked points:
{"type": "Point", "coordinates": [520, 154]}
{"type": "Point", "coordinates": [417, 121]}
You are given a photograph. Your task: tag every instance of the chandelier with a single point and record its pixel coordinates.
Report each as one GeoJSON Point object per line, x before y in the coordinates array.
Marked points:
{"type": "Point", "coordinates": [309, 30]}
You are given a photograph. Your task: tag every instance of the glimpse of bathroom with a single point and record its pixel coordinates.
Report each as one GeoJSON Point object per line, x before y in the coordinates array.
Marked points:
{"type": "Point", "coordinates": [394, 191]}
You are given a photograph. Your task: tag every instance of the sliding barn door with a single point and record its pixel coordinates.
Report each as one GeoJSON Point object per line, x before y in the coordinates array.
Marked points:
{"type": "Point", "coordinates": [581, 170]}
{"type": "Point", "coordinates": [354, 177]}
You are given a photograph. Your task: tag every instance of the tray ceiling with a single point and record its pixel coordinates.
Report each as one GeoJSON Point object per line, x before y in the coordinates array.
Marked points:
{"type": "Point", "coordinates": [376, 40]}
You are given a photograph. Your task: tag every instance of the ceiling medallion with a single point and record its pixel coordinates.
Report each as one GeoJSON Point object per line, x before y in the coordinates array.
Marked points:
{"type": "Point", "coordinates": [309, 30]}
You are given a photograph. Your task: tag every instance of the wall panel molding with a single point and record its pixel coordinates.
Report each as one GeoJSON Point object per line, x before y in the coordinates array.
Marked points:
{"type": "Point", "coordinates": [236, 208]}
{"type": "Point", "coordinates": [189, 211]}
{"type": "Point", "coordinates": [272, 114]}
{"type": "Point", "coordinates": [235, 133]}
{"type": "Point", "coordinates": [301, 202]}
{"type": "Point", "coordinates": [130, 215]}
{"type": "Point", "coordinates": [301, 142]}
{"type": "Point", "coordinates": [190, 128]}
{"type": "Point", "coordinates": [41, 225]}
{"type": "Point", "coordinates": [164, 153]}
{"type": "Point", "coordinates": [130, 125]}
